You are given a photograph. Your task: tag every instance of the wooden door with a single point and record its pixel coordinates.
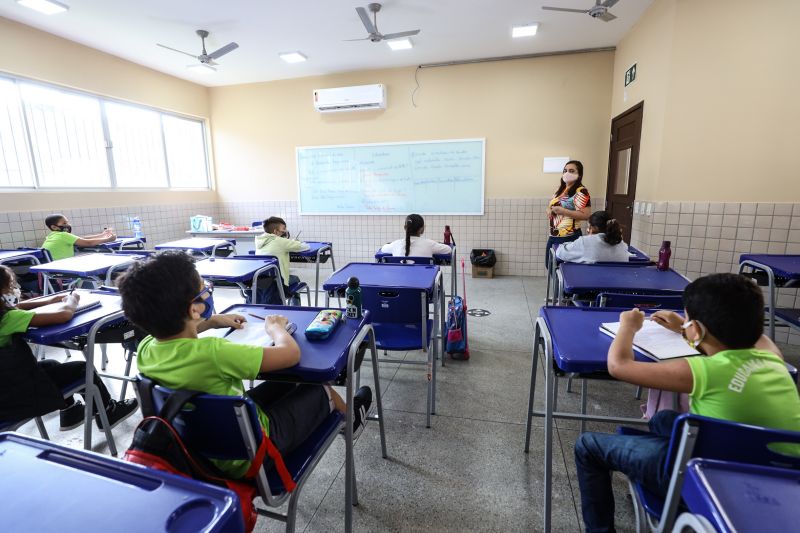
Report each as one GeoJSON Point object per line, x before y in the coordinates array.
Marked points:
{"type": "Point", "coordinates": [623, 162]}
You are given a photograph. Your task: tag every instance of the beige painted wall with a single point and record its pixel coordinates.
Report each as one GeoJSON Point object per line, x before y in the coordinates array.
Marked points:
{"type": "Point", "coordinates": [526, 110]}
{"type": "Point", "coordinates": [31, 53]}
{"type": "Point", "coordinates": [719, 82]}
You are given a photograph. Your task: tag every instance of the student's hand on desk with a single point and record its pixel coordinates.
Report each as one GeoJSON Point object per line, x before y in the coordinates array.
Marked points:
{"type": "Point", "coordinates": [72, 300]}
{"type": "Point", "coordinates": [275, 322]}
{"type": "Point", "coordinates": [669, 319]}
{"type": "Point", "coordinates": [632, 320]}
{"type": "Point", "coordinates": [227, 321]}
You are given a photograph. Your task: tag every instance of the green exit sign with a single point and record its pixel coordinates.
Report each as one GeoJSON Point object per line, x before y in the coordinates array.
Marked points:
{"type": "Point", "coordinates": [630, 75]}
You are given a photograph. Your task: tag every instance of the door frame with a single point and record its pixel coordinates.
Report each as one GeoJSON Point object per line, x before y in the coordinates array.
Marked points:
{"type": "Point", "coordinates": [634, 163]}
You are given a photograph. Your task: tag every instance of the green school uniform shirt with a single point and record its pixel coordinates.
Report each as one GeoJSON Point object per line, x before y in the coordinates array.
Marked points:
{"type": "Point", "coordinates": [269, 244]}
{"type": "Point", "coordinates": [211, 365]}
{"type": "Point", "coordinates": [748, 386]}
{"type": "Point", "coordinates": [14, 321]}
{"type": "Point", "coordinates": [60, 244]}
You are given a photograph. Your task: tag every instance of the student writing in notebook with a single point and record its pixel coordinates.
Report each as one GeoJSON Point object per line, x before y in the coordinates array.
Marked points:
{"type": "Point", "coordinates": [60, 242]}
{"type": "Point", "coordinates": [414, 244]}
{"type": "Point", "coordinates": [29, 387]}
{"type": "Point", "coordinates": [602, 243]}
{"type": "Point", "coordinates": [166, 297]}
{"type": "Point", "coordinates": [741, 377]}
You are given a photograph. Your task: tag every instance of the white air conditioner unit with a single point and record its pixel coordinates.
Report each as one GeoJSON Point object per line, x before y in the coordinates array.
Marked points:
{"type": "Point", "coordinates": [358, 98]}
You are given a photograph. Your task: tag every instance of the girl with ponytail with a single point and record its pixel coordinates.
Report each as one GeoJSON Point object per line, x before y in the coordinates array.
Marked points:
{"type": "Point", "coordinates": [414, 245]}
{"type": "Point", "coordinates": [603, 242]}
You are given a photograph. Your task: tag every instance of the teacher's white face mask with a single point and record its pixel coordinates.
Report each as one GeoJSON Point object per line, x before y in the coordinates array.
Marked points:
{"type": "Point", "coordinates": [569, 177]}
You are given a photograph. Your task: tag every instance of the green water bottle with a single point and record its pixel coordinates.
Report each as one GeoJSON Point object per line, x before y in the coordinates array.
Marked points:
{"type": "Point", "coordinates": [352, 297]}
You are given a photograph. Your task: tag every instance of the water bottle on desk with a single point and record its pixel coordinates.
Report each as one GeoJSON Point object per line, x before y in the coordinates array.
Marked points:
{"type": "Point", "coordinates": [136, 223]}
{"type": "Point", "coordinates": [352, 297]}
{"type": "Point", "coordinates": [663, 256]}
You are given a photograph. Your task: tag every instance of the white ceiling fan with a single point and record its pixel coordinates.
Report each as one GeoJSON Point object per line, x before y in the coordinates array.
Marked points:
{"type": "Point", "coordinates": [206, 60]}
{"type": "Point", "coordinates": [372, 26]}
{"type": "Point", "coordinates": [598, 11]}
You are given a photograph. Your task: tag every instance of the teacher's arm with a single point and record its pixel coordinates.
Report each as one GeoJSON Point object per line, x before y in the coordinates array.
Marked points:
{"type": "Point", "coordinates": [578, 214]}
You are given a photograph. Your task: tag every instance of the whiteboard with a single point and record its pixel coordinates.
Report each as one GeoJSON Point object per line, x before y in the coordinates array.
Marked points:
{"type": "Point", "coordinates": [428, 177]}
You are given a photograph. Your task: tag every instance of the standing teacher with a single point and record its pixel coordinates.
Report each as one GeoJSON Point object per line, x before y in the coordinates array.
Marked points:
{"type": "Point", "coordinates": [570, 204]}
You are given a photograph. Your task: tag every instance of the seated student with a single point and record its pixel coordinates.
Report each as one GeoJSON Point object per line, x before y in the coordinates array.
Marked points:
{"type": "Point", "coordinates": [33, 390]}
{"type": "Point", "coordinates": [275, 241]}
{"type": "Point", "coordinates": [61, 242]}
{"type": "Point", "coordinates": [740, 377]}
{"type": "Point", "coordinates": [603, 242]}
{"type": "Point", "coordinates": [414, 245]}
{"type": "Point", "coordinates": [166, 297]}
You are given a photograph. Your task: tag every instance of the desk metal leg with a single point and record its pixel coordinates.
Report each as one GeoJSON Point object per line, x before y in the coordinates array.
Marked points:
{"type": "Point", "coordinates": [92, 393]}
{"type": "Point", "coordinates": [349, 476]}
{"type": "Point", "coordinates": [534, 365]}
{"type": "Point", "coordinates": [442, 326]}
{"type": "Point", "coordinates": [316, 281]}
{"type": "Point", "coordinates": [548, 438]}
{"type": "Point", "coordinates": [378, 393]}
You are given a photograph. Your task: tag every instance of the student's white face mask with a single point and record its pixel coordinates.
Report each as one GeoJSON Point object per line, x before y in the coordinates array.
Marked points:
{"type": "Point", "coordinates": [569, 177]}
{"type": "Point", "coordinates": [12, 299]}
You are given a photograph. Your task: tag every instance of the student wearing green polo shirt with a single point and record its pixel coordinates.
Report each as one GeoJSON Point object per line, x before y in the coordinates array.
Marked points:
{"type": "Point", "coordinates": [740, 377]}
{"type": "Point", "coordinates": [166, 297]}
{"type": "Point", "coordinates": [31, 388]}
{"type": "Point", "coordinates": [60, 242]}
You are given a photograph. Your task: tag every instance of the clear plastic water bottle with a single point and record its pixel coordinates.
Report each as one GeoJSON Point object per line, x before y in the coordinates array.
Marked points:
{"type": "Point", "coordinates": [352, 297]}
{"type": "Point", "coordinates": [137, 228]}
{"type": "Point", "coordinates": [663, 256]}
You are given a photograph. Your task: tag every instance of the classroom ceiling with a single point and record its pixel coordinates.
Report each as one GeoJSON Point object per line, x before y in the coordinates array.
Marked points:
{"type": "Point", "coordinates": [450, 30]}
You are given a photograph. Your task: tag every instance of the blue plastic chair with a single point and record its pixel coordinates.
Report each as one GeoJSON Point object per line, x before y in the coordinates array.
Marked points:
{"type": "Point", "coordinates": [406, 260]}
{"type": "Point", "coordinates": [227, 427]}
{"type": "Point", "coordinates": [301, 287]}
{"type": "Point", "coordinates": [641, 301]}
{"type": "Point", "coordinates": [709, 438]}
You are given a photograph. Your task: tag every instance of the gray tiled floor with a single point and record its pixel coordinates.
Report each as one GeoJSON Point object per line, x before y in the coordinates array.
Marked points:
{"type": "Point", "coordinates": [468, 471]}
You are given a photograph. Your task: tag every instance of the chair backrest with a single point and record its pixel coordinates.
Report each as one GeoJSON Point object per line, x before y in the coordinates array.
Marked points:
{"type": "Point", "coordinates": [641, 301]}
{"type": "Point", "coordinates": [731, 441]}
{"type": "Point", "coordinates": [47, 256]}
{"type": "Point", "coordinates": [397, 306]}
{"type": "Point", "coordinates": [208, 424]}
{"type": "Point", "coordinates": [409, 260]}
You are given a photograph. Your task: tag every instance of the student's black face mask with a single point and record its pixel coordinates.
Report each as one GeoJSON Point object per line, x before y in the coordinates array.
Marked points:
{"type": "Point", "coordinates": [286, 235]}
{"type": "Point", "coordinates": [65, 228]}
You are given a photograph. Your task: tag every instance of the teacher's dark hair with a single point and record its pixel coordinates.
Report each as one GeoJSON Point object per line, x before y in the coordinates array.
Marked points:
{"type": "Point", "coordinates": [578, 182]}
{"type": "Point", "coordinates": [608, 226]}
{"type": "Point", "coordinates": [413, 224]}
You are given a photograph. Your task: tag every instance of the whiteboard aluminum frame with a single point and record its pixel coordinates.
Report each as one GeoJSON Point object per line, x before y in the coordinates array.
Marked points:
{"type": "Point", "coordinates": [430, 213]}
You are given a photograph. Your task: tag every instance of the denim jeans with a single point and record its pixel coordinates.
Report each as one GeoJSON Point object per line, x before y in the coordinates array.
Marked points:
{"type": "Point", "coordinates": [558, 240]}
{"type": "Point", "coordinates": [640, 457]}
{"type": "Point", "coordinates": [267, 292]}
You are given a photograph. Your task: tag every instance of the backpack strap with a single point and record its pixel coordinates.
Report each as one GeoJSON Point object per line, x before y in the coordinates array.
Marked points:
{"type": "Point", "coordinates": [268, 448]}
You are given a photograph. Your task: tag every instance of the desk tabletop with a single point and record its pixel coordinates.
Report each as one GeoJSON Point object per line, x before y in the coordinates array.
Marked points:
{"type": "Point", "coordinates": [399, 276]}
{"type": "Point", "coordinates": [197, 244]}
{"type": "Point", "coordinates": [10, 255]}
{"type": "Point", "coordinates": [645, 279]}
{"type": "Point", "coordinates": [81, 323]}
{"type": "Point", "coordinates": [578, 343]}
{"type": "Point", "coordinates": [320, 360]}
{"type": "Point", "coordinates": [313, 248]}
{"type": "Point", "coordinates": [742, 497]}
{"type": "Point", "coordinates": [784, 266]}
{"type": "Point", "coordinates": [120, 242]}
{"type": "Point", "coordinates": [221, 232]}
{"type": "Point", "coordinates": [37, 477]}
{"type": "Point", "coordinates": [438, 258]}
{"type": "Point", "coordinates": [231, 269]}
{"type": "Point", "coordinates": [86, 264]}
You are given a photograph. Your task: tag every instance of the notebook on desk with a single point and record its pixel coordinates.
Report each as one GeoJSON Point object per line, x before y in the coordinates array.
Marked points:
{"type": "Point", "coordinates": [253, 333]}
{"type": "Point", "coordinates": [86, 303]}
{"type": "Point", "coordinates": [654, 341]}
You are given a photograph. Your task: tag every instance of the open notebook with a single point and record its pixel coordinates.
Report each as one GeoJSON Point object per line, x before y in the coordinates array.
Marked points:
{"type": "Point", "coordinates": [86, 303]}
{"type": "Point", "coordinates": [655, 341]}
{"type": "Point", "coordinates": [252, 333]}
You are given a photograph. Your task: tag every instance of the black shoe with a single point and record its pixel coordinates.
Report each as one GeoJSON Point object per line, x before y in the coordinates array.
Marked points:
{"type": "Point", "coordinates": [72, 416]}
{"type": "Point", "coordinates": [117, 411]}
{"type": "Point", "coordinates": [362, 400]}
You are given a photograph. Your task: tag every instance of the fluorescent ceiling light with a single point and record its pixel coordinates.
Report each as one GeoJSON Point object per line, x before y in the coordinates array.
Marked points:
{"type": "Point", "coordinates": [201, 68]}
{"type": "Point", "coordinates": [528, 30]}
{"type": "Point", "coordinates": [48, 7]}
{"type": "Point", "coordinates": [400, 44]}
{"type": "Point", "coordinates": [292, 57]}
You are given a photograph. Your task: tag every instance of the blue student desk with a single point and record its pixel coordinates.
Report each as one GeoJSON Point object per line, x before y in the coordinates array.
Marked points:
{"type": "Point", "coordinates": [438, 259]}
{"type": "Point", "coordinates": [51, 488]}
{"type": "Point", "coordinates": [636, 257]}
{"type": "Point", "coordinates": [204, 247]}
{"type": "Point", "coordinates": [86, 324]}
{"type": "Point", "coordinates": [572, 342]}
{"type": "Point", "coordinates": [241, 272]}
{"type": "Point", "coordinates": [781, 271]}
{"type": "Point", "coordinates": [323, 361]}
{"type": "Point", "coordinates": [586, 280]}
{"type": "Point", "coordinates": [97, 267]}
{"type": "Point", "coordinates": [120, 243]}
{"type": "Point", "coordinates": [31, 255]}
{"type": "Point", "coordinates": [426, 278]}
{"type": "Point", "coordinates": [740, 497]}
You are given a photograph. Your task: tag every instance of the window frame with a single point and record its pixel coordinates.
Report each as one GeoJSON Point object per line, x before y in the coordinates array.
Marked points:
{"type": "Point", "coordinates": [109, 142]}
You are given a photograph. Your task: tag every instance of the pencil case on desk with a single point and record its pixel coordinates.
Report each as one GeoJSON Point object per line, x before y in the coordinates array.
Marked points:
{"type": "Point", "coordinates": [323, 324]}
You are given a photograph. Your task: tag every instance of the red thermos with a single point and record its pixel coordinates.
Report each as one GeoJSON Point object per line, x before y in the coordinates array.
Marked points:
{"type": "Point", "coordinates": [663, 256]}
{"type": "Point", "coordinates": [448, 236]}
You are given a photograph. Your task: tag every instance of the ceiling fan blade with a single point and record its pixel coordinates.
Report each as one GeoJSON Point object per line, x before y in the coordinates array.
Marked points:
{"type": "Point", "coordinates": [362, 39]}
{"type": "Point", "coordinates": [365, 20]}
{"type": "Point", "coordinates": [176, 50]}
{"type": "Point", "coordinates": [400, 34]}
{"type": "Point", "coordinates": [607, 17]}
{"type": "Point", "coordinates": [565, 9]}
{"type": "Point", "coordinates": [230, 47]}
{"type": "Point", "coordinates": [609, 3]}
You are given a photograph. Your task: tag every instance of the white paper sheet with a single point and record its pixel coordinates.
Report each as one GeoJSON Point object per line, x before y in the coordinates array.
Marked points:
{"type": "Point", "coordinates": [655, 341]}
